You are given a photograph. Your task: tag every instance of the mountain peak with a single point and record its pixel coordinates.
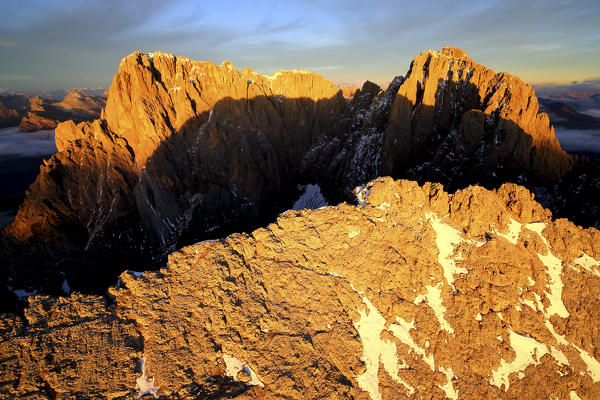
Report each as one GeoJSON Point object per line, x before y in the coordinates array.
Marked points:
{"type": "Point", "coordinates": [454, 52]}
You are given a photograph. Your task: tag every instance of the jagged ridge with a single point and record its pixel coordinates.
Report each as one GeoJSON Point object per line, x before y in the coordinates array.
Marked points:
{"type": "Point", "coordinates": [188, 150]}
{"type": "Point", "coordinates": [417, 292]}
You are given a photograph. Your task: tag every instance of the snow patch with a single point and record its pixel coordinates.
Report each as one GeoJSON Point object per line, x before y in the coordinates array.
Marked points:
{"type": "Point", "coordinates": [361, 194]}
{"type": "Point", "coordinates": [65, 287]}
{"type": "Point", "coordinates": [401, 330]}
{"type": "Point", "coordinates": [528, 351]}
{"type": "Point", "coordinates": [311, 199]}
{"type": "Point", "coordinates": [375, 349]}
{"type": "Point", "coordinates": [573, 395]}
{"type": "Point", "coordinates": [434, 300]}
{"type": "Point", "coordinates": [514, 228]}
{"type": "Point", "coordinates": [143, 384]}
{"type": "Point", "coordinates": [23, 294]}
{"type": "Point", "coordinates": [234, 367]}
{"type": "Point", "coordinates": [448, 388]}
{"type": "Point", "coordinates": [554, 268]}
{"type": "Point", "coordinates": [588, 262]}
{"type": "Point", "coordinates": [593, 366]}
{"type": "Point", "coordinates": [446, 239]}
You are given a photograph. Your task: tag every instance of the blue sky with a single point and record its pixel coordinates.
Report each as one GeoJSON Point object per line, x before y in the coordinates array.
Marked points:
{"type": "Point", "coordinates": [63, 44]}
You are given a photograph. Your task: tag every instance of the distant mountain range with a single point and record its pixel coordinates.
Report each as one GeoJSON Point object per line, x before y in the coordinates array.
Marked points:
{"type": "Point", "coordinates": [37, 113]}
{"type": "Point", "coordinates": [562, 113]}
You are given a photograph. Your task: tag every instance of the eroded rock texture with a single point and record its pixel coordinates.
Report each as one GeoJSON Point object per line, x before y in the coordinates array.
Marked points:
{"type": "Point", "coordinates": [414, 293]}
{"type": "Point", "coordinates": [189, 150]}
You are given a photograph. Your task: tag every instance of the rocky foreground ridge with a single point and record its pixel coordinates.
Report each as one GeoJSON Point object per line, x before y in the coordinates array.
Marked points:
{"type": "Point", "coordinates": [412, 293]}
{"type": "Point", "coordinates": [187, 150]}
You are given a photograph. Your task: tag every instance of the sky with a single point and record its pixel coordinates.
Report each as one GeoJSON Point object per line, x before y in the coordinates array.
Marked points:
{"type": "Point", "coordinates": [62, 44]}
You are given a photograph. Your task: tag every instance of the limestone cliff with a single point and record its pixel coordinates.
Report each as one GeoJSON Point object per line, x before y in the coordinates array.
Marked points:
{"type": "Point", "coordinates": [187, 150]}
{"type": "Point", "coordinates": [451, 110]}
{"type": "Point", "coordinates": [184, 150]}
{"type": "Point", "coordinates": [413, 293]}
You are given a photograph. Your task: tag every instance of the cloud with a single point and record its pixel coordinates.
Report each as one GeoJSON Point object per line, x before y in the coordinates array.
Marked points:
{"type": "Point", "coordinates": [578, 141]}
{"type": "Point", "coordinates": [14, 77]}
{"type": "Point", "coordinates": [13, 142]}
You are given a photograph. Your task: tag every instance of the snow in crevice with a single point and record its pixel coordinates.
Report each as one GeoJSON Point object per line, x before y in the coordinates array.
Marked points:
{"type": "Point", "coordinates": [593, 365]}
{"type": "Point", "coordinates": [376, 350]}
{"type": "Point", "coordinates": [554, 269]}
{"type": "Point", "coordinates": [65, 287]}
{"type": "Point", "coordinates": [401, 330]}
{"type": "Point", "coordinates": [448, 387]}
{"type": "Point", "coordinates": [588, 263]}
{"type": "Point", "coordinates": [233, 367]}
{"type": "Point", "coordinates": [23, 294]}
{"type": "Point", "coordinates": [435, 302]}
{"type": "Point", "coordinates": [143, 384]}
{"type": "Point", "coordinates": [361, 193]}
{"type": "Point", "coordinates": [573, 395]}
{"type": "Point", "coordinates": [528, 351]}
{"type": "Point", "coordinates": [514, 229]}
{"type": "Point", "coordinates": [446, 239]}
{"type": "Point", "coordinates": [311, 199]}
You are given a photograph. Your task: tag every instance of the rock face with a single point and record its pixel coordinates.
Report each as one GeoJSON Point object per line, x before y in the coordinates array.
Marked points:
{"type": "Point", "coordinates": [187, 150]}
{"type": "Point", "coordinates": [35, 122]}
{"type": "Point", "coordinates": [184, 150]}
{"type": "Point", "coordinates": [466, 120]}
{"type": "Point", "coordinates": [413, 293]}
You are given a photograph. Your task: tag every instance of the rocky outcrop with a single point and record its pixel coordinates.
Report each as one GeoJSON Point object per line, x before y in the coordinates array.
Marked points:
{"type": "Point", "coordinates": [413, 293]}
{"type": "Point", "coordinates": [35, 122]}
{"type": "Point", "coordinates": [187, 150]}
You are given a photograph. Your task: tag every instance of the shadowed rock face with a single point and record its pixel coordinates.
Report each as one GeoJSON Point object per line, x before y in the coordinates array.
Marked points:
{"type": "Point", "coordinates": [414, 293]}
{"type": "Point", "coordinates": [188, 150]}
{"type": "Point", "coordinates": [451, 110]}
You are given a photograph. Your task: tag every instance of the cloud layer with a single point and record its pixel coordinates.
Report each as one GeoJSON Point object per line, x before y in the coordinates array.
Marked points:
{"type": "Point", "coordinates": [13, 142]}
{"type": "Point", "coordinates": [579, 141]}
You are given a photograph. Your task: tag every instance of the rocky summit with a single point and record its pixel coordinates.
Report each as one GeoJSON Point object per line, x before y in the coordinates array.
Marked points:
{"type": "Point", "coordinates": [294, 245]}
{"type": "Point", "coordinates": [412, 293]}
{"type": "Point", "coordinates": [187, 150]}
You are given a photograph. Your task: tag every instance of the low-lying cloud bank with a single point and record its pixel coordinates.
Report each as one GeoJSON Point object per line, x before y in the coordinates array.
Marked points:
{"type": "Point", "coordinates": [14, 142]}
{"type": "Point", "coordinates": [578, 140]}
